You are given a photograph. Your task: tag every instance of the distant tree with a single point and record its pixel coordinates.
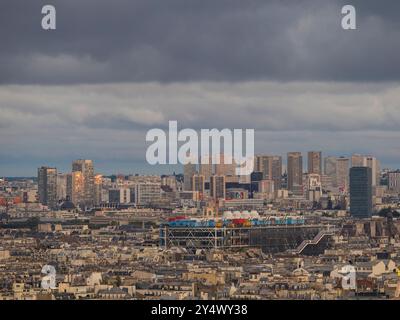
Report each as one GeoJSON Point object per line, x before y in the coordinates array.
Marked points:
{"type": "Point", "coordinates": [118, 281]}
{"type": "Point", "coordinates": [388, 212]}
{"type": "Point", "coordinates": [33, 223]}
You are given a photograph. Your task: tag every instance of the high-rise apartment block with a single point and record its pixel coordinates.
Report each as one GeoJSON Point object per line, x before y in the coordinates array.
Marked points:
{"type": "Point", "coordinates": [330, 164]}
{"type": "Point", "coordinates": [198, 183]}
{"type": "Point", "coordinates": [47, 186]}
{"type": "Point", "coordinates": [189, 170]}
{"type": "Point", "coordinates": [295, 172]}
{"type": "Point", "coordinates": [217, 187]}
{"type": "Point", "coordinates": [62, 179]}
{"type": "Point", "coordinates": [314, 161]}
{"type": "Point", "coordinates": [98, 188]}
{"type": "Point", "coordinates": [271, 168]}
{"type": "Point", "coordinates": [375, 166]}
{"type": "Point", "coordinates": [361, 192]}
{"type": "Point", "coordinates": [342, 173]}
{"type": "Point", "coordinates": [83, 174]}
{"type": "Point", "coordinates": [358, 160]}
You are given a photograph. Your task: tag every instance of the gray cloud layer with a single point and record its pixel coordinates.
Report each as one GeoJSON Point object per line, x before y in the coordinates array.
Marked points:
{"type": "Point", "coordinates": [188, 40]}
{"type": "Point", "coordinates": [108, 122]}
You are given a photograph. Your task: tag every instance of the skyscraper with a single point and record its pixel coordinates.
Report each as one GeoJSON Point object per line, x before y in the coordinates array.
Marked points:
{"type": "Point", "coordinates": [75, 188]}
{"type": "Point", "coordinates": [62, 186]}
{"type": "Point", "coordinates": [198, 184]}
{"type": "Point", "coordinates": [295, 172]}
{"type": "Point", "coordinates": [276, 171]}
{"type": "Point", "coordinates": [374, 164]}
{"type": "Point", "coordinates": [85, 167]}
{"type": "Point", "coordinates": [314, 162]}
{"type": "Point", "coordinates": [206, 167]}
{"type": "Point", "coordinates": [358, 160]}
{"type": "Point", "coordinates": [271, 168]}
{"type": "Point", "coordinates": [361, 192]}
{"type": "Point", "coordinates": [330, 164]}
{"type": "Point", "coordinates": [342, 173]}
{"type": "Point", "coordinates": [47, 186]}
{"type": "Point", "coordinates": [217, 187]}
{"type": "Point", "coordinates": [98, 185]}
{"type": "Point", "coordinates": [259, 163]}
{"type": "Point", "coordinates": [189, 170]}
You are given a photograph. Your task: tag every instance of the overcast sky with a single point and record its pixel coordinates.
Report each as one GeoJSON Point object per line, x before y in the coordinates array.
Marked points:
{"type": "Point", "coordinates": [114, 69]}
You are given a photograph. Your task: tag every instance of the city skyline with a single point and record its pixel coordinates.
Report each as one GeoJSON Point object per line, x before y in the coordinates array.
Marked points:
{"type": "Point", "coordinates": [202, 155]}
{"type": "Point", "coordinates": [168, 169]}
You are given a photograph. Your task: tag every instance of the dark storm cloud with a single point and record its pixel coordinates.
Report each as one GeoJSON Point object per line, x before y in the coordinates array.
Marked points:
{"type": "Point", "coordinates": [189, 40]}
